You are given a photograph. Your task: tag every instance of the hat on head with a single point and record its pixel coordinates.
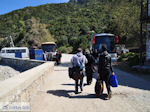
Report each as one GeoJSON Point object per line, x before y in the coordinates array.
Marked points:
{"type": "Point", "coordinates": [79, 50]}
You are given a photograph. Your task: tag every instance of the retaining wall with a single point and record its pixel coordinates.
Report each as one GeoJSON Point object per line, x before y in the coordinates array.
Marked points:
{"type": "Point", "coordinates": [25, 64]}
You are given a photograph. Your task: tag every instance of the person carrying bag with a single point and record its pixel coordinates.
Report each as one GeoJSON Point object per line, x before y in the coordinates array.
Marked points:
{"type": "Point", "coordinates": [78, 62]}
{"type": "Point", "coordinates": [105, 69]}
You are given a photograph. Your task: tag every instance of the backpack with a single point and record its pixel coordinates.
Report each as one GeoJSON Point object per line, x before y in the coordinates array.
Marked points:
{"type": "Point", "coordinates": [75, 73]}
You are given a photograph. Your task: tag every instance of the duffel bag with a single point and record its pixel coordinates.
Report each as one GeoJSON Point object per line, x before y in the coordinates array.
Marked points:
{"type": "Point", "coordinates": [99, 87]}
{"type": "Point", "coordinates": [70, 71]}
{"type": "Point", "coordinates": [77, 73]}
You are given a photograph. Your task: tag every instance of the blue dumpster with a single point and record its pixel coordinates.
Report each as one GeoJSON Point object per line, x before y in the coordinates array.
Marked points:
{"type": "Point", "coordinates": [36, 54]}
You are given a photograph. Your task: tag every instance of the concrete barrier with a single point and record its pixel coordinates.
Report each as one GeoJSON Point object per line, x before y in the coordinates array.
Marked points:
{"type": "Point", "coordinates": [22, 87]}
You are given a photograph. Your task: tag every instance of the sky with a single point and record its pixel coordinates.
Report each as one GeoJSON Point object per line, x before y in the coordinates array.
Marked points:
{"type": "Point", "coordinates": [7, 6]}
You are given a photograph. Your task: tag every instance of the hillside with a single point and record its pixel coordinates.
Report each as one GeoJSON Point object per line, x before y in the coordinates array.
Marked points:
{"type": "Point", "coordinates": [70, 24]}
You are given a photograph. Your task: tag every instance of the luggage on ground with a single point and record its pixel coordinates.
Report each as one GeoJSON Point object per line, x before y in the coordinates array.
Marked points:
{"type": "Point", "coordinates": [99, 87]}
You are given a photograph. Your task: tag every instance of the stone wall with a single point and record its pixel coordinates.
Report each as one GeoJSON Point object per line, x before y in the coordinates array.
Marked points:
{"type": "Point", "coordinates": [25, 64]}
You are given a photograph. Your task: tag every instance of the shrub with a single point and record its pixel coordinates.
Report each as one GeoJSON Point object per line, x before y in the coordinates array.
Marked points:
{"type": "Point", "coordinates": [65, 49]}
{"type": "Point", "coordinates": [131, 58]}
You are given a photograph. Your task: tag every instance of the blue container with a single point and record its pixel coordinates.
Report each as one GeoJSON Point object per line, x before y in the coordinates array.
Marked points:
{"type": "Point", "coordinates": [18, 54]}
{"type": "Point", "coordinates": [36, 54]}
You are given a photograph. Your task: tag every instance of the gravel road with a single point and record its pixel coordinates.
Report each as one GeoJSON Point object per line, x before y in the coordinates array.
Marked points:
{"type": "Point", "coordinates": [57, 95]}
{"type": "Point", "coordinates": [7, 72]}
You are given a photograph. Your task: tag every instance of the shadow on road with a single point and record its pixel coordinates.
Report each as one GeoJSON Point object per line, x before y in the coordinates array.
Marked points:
{"type": "Point", "coordinates": [65, 64]}
{"type": "Point", "coordinates": [64, 93]}
{"type": "Point", "coordinates": [102, 97]}
{"type": "Point", "coordinates": [84, 96]}
{"type": "Point", "coordinates": [68, 94]}
{"type": "Point", "coordinates": [68, 84]}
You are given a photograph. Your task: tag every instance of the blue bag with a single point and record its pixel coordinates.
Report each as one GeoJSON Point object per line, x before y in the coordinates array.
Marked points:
{"type": "Point", "coordinates": [113, 80]}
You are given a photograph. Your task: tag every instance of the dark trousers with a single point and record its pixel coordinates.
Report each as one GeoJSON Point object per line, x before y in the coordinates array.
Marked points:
{"type": "Point", "coordinates": [89, 78]}
{"type": "Point", "coordinates": [76, 84]}
{"type": "Point", "coordinates": [105, 77]}
{"type": "Point", "coordinates": [89, 74]}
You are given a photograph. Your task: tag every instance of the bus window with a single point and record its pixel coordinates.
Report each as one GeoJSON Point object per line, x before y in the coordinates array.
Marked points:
{"type": "Point", "coordinates": [23, 50]}
{"type": "Point", "coordinates": [103, 40]}
{"type": "Point", "coordinates": [49, 47]}
{"type": "Point", "coordinates": [17, 50]}
{"type": "Point", "coordinates": [8, 51]}
{"type": "Point", "coordinates": [3, 51]}
{"type": "Point", "coordinates": [12, 51]}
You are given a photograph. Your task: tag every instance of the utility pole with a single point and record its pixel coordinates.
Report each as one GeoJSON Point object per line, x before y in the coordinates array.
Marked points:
{"type": "Point", "coordinates": [141, 34]}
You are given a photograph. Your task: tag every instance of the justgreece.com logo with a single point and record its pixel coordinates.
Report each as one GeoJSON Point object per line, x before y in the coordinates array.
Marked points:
{"type": "Point", "coordinates": [14, 106]}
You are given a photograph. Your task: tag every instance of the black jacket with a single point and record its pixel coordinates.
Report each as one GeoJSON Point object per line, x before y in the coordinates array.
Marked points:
{"type": "Point", "coordinates": [90, 59]}
{"type": "Point", "coordinates": [104, 66]}
{"type": "Point", "coordinates": [90, 64]}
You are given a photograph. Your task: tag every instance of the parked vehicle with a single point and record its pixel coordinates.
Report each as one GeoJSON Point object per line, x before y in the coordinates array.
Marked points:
{"type": "Point", "coordinates": [121, 49]}
{"type": "Point", "coordinates": [15, 52]}
{"type": "Point", "coordinates": [105, 38]}
{"type": "Point", "coordinates": [49, 49]}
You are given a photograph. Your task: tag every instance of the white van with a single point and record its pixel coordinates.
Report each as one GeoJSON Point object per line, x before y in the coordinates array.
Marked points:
{"type": "Point", "coordinates": [10, 52]}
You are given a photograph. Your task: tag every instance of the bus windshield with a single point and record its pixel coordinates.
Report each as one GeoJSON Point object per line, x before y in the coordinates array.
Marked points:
{"type": "Point", "coordinates": [49, 47]}
{"type": "Point", "coordinates": [108, 40]}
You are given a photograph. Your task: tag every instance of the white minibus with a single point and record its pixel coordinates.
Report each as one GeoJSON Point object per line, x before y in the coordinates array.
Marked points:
{"type": "Point", "coordinates": [11, 52]}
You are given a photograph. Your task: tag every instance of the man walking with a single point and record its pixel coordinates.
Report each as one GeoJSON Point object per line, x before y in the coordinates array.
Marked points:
{"type": "Point", "coordinates": [89, 66]}
{"type": "Point", "coordinates": [79, 60]}
{"type": "Point", "coordinates": [105, 68]}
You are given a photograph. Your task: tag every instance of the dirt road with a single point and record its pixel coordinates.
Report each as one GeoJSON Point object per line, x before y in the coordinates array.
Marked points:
{"type": "Point", "coordinates": [132, 95]}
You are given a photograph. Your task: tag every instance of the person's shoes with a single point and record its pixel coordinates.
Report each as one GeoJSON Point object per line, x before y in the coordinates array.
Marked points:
{"type": "Point", "coordinates": [109, 96]}
{"type": "Point", "coordinates": [81, 89]}
{"type": "Point", "coordinates": [90, 83]}
{"type": "Point", "coordinates": [76, 92]}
